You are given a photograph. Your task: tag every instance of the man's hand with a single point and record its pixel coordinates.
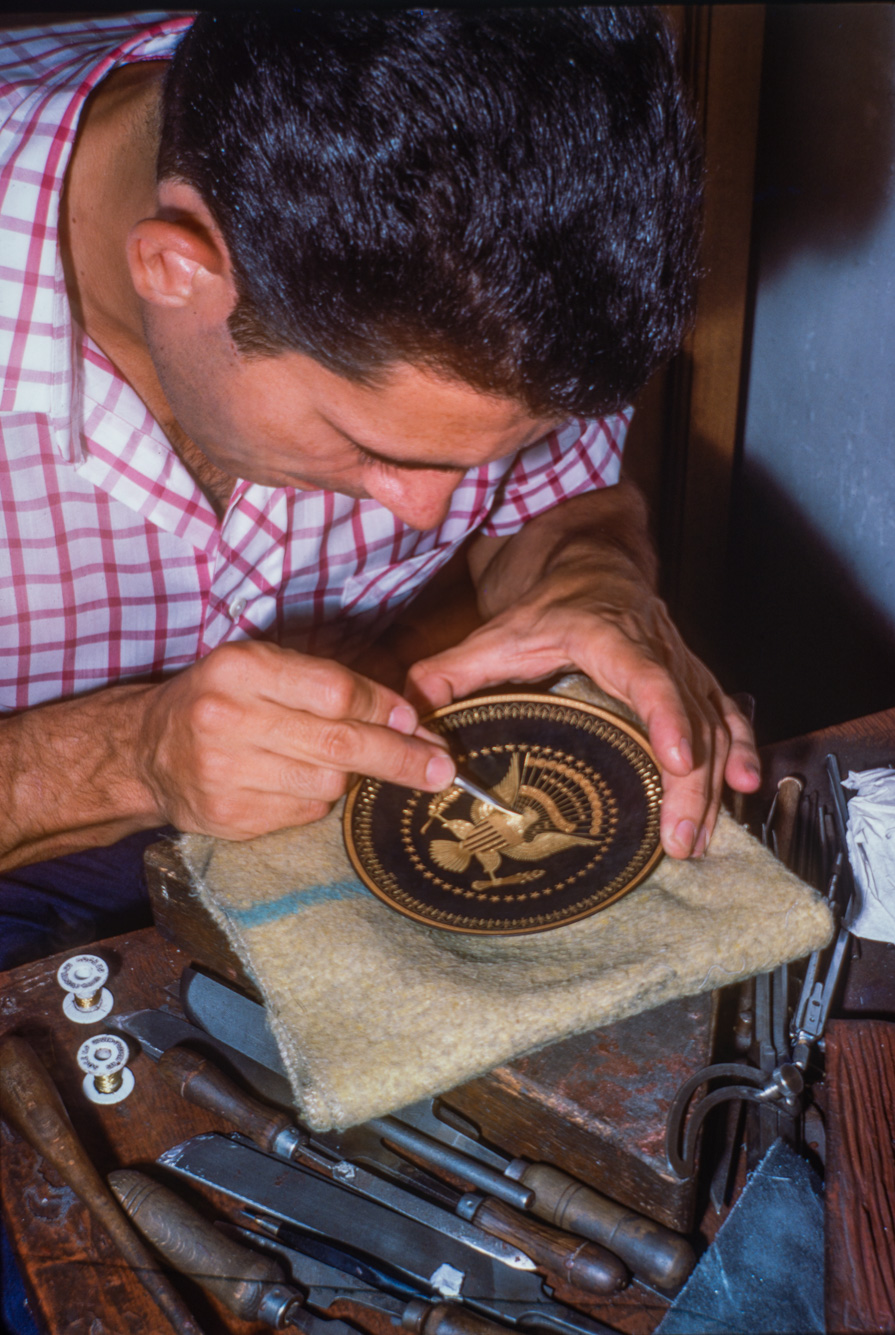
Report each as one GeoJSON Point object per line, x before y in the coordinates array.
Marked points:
{"type": "Point", "coordinates": [251, 739]}
{"type": "Point", "coordinates": [573, 591]}
{"type": "Point", "coordinates": [255, 738]}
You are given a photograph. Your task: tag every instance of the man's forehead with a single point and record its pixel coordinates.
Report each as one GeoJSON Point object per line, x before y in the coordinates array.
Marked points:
{"type": "Point", "coordinates": [417, 418]}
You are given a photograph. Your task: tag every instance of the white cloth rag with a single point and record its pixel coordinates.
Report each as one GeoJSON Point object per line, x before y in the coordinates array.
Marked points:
{"type": "Point", "coordinates": [871, 852]}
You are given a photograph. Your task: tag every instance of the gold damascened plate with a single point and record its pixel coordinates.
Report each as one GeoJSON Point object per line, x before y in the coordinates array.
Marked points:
{"type": "Point", "coordinates": [586, 789]}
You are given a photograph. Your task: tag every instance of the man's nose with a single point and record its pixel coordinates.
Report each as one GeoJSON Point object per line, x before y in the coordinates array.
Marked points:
{"type": "Point", "coordinates": [420, 497]}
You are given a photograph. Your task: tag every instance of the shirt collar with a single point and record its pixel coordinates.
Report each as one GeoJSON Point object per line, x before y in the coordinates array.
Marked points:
{"type": "Point", "coordinates": [40, 369]}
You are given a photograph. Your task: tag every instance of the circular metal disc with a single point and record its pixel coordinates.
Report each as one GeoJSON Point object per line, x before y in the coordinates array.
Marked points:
{"type": "Point", "coordinates": [586, 789]}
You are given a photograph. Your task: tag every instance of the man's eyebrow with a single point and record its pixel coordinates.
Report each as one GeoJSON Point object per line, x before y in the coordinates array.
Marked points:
{"type": "Point", "coordinates": [410, 464]}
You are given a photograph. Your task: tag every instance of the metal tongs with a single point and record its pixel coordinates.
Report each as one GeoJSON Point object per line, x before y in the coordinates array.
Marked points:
{"type": "Point", "coordinates": [778, 1082]}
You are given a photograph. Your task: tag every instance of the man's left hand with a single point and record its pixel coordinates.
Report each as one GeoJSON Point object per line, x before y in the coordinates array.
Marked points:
{"type": "Point", "coordinates": [584, 602]}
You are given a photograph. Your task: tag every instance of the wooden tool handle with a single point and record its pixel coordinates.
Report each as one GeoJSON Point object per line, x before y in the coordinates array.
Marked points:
{"type": "Point", "coordinates": [30, 1102]}
{"type": "Point", "coordinates": [446, 1319]}
{"type": "Point", "coordinates": [239, 1277]}
{"type": "Point", "coordinates": [565, 1261]}
{"type": "Point", "coordinates": [201, 1082]}
{"type": "Point", "coordinates": [653, 1253]}
{"type": "Point", "coordinates": [789, 795]}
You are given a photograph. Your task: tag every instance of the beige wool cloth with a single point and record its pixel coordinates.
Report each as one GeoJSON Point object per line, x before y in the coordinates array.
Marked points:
{"type": "Point", "coordinates": [372, 1010]}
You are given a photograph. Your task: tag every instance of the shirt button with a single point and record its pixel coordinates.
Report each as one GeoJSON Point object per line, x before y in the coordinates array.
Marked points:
{"type": "Point", "coordinates": [236, 608]}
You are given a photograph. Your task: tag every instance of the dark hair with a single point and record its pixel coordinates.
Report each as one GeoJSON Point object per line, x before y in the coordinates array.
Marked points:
{"type": "Point", "coordinates": [509, 196]}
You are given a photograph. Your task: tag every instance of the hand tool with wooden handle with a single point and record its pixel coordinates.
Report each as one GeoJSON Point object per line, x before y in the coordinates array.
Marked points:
{"type": "Point", "coordinates": [435, 1259]}
{"type": "Point", "coordinates": [568, 1263]}
{"type": "Point", "coordinates": [654, 1253]}
{"type": "Point", "coordinates": [200, 1081]}
{"type": "Point", "coordinates": [31, 1103]}
{"type": "Point", "coordinates": [251, 1284]}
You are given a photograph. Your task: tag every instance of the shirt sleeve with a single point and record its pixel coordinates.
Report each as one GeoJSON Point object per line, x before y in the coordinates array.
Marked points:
{"type": "Point", "coordinates": [580, 456]}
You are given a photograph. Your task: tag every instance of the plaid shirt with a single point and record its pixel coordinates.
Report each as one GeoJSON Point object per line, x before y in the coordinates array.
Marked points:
{"type": "Point", "coordinates": [113, 564]}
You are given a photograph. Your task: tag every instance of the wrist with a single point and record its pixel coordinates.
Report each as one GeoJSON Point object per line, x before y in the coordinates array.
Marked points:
{"type": "Point", "coordinates": [70, 775]}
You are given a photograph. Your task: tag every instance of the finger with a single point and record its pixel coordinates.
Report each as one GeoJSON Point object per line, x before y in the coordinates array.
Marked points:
{"type": "Point", "coordinates": [690, 802]}
{"type": "Point", "coordinates": [488, 657]}
{"type": "Point", "coordinates": [331, 691]}
{"type": "Point", "coordinates": [683, 811]}
{"type": "Point", "coordinates": [627, 669]}
{"type": "Point", "coordinates": [291, 680]}
{"type": "Point", "coordinates": [658, 702]}
{"type": "Point", "coordinates": [718, 765]}
{"type": "Point", "coordinates": [743, 769]}
{"type": "Point", "coordinates": [299, 744]}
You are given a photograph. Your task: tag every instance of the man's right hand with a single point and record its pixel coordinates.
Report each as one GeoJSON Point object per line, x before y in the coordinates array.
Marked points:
{"type": "Point", "coordinates": [255, 738]}
{"type": "Point", "coordinates": [251, 739]}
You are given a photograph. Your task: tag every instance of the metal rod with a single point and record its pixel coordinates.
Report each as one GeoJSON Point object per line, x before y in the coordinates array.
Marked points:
{"type": "Point", "coordinates": [442, 1156]}
{"type": "Point", "coordinates": [472, 788]}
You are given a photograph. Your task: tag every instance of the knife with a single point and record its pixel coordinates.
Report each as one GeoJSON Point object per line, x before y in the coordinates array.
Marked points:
{"type": "Point", "coordinates": [429, 1261]}
{"type": "Point", "coordinates": [656, 1255]}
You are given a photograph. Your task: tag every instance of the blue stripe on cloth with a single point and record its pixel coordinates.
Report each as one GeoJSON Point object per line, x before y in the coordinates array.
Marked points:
{"type": "Point", "coordinates": [259, 915]}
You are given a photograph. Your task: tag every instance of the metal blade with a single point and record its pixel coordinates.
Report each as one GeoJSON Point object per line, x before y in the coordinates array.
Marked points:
{"type": "Point", "coordinates": [221, 1010]}
{"type": "Point", "coordinates": [156, 1031]}
{"type": "Point", "coordinates": [468, 785]}
{"type": "Point", "coordinates": [436, 1154]}
{"type": "Point", "coordinates": [314, 1260]}
{"type": "Point", "coordinates": [364, 1148]}
{"type": "Point", "coordinates": [430, 1116]}
{"type": "Point", "coordinates": [420, 1242]}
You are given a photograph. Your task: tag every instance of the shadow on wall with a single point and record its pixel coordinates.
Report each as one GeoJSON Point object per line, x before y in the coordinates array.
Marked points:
{"type": "Point", "coordinates": [806, 636]}
{"type": "Point", "coordinates": [826, 145]}
{"type": "Point", "coordinates": [803, 637]}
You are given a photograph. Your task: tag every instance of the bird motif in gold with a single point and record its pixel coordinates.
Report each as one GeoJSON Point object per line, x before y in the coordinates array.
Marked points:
{"type": "Point", "coordinates": [537, 831]}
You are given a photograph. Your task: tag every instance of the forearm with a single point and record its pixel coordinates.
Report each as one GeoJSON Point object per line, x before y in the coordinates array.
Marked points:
{"type": "Point", "coordinates": [602, 536]}
{"type": "Point", "coordinates": [69, 776]}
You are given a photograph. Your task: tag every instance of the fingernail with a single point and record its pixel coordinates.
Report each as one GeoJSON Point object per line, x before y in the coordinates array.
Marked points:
{"type": "Point", "coordinates": [684, 834]}
{"type": "Point", "coordinates": [684, 754]}
{"type": "Point", "coordinates": [403, 719]}
{"type": "Point", "coordinates": [702, 843]}
{"type": "Point", "coordinates": [440, 772]}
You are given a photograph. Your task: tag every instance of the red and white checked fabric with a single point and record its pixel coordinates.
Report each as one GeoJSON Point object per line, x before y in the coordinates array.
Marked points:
{"type": "Point", "coordinates": [113, 564]}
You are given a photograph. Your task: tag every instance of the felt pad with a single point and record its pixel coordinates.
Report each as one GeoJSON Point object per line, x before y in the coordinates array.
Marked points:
{"type": "Point", "coordinates": [765, 1270]}
{"type": "Point", "coordinates": [372, 1010]}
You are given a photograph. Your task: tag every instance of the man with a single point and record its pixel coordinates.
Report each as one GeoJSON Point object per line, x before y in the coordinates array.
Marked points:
{"type": "Point", "coordinates": [347, 288]}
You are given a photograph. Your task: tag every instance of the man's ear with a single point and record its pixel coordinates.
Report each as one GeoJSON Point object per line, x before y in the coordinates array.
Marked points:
{"type": "Point", "coordinates": [179, 260]}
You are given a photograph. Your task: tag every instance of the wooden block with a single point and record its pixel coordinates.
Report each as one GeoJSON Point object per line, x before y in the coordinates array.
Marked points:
{"type": "Point", "coordinates": [860, 1176]}
{"type": "Point", "coordinates": [181, 918]}
{"type": "Point", "coordinates": [597, 1104]}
